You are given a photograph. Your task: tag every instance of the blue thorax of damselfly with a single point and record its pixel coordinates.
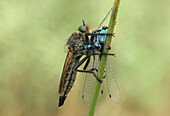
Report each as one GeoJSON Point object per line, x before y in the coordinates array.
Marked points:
{"type": "Point", "coordinates": [95, 42]}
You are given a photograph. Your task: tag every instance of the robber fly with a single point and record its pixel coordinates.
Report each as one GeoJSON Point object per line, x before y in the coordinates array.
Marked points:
{"type": "Point", "coordinates": [82, 43]}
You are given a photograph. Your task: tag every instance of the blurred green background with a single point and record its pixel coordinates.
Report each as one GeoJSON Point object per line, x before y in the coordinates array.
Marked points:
{"type": "Point", "coordinates": [33, 34]}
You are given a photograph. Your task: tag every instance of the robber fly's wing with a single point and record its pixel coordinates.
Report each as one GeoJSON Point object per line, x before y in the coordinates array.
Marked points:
{"type": "Point", "coordinates": [89, 83]}
{"type": "Point", "coordinates": [113, 88]}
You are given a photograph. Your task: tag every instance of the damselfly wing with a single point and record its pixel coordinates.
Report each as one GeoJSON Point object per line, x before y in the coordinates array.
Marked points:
{"type": "Point", "coordinates": [89, 81]}
{"type": "Point", "coordinates": [113, 89]}
{"type": "Point", "coordinates": [112, 86]}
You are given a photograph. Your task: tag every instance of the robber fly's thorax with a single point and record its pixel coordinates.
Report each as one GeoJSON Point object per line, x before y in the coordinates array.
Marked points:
{"type": "Point", "coordinates": [78, 40]}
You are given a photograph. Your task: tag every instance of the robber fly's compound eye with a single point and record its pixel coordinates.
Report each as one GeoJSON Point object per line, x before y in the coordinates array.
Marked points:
{"type": "Point", "coordinates": [82, 29]}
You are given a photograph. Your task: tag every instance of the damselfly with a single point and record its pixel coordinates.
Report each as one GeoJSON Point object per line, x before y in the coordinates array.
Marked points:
{"type": "Point", "coordinates": [90, 45]}
{"type": "Point", "coordinates": [113, 89]}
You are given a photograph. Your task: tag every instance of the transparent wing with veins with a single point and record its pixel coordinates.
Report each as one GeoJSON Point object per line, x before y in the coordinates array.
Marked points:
{"type": "Point", "coordinates": [113, 88]}
{"type": "Point", "coordinates": [90, 80]}
{"type": "Point", "coordinates": [96, 65]}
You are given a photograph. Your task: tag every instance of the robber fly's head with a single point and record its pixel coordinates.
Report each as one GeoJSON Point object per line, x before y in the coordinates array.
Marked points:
{"type": "Point", "coordinates": [83, 28]}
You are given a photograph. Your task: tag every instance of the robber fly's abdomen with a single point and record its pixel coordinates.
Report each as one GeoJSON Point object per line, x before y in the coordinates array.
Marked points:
{"type": "Point", "coordinates": [68, 76]}
{"type": "Point", "coordinates": [76, 45]}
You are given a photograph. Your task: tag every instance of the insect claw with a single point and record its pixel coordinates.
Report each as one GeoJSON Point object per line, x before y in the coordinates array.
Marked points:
{"type": "Point", "coordinates": [99, 80]}
{"type": "Point", "coordinates": [108, 47]}
{"type": "Point", "coordinates": [114, 55]}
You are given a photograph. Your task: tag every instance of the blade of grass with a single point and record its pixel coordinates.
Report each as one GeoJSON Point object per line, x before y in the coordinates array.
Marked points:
{"type": "Point", "coordinates": [102, 65]}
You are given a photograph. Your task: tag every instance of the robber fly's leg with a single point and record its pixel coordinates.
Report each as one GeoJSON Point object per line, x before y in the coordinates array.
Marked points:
{"type": "Point", "coordinates": [97, 71]}
{"type": "Point", "coordinates": [81, 62]}
{"type": "Point", "coordinates": [86, 64]}
{"type": "Point", "coordinates": [86, 71]}
{"type": "Point", "coordinates": [90, 71]}
{"type": "Point", "coordinates": [100, 80]}
{"type": "Point", "coordinates": [94, 69]}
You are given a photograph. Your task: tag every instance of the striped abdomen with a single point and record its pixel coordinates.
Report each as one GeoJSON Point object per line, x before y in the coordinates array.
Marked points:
{"type": "Point", "coordinates": [68, 76]}
{"type": "Point", "coordinates": [76, 45]}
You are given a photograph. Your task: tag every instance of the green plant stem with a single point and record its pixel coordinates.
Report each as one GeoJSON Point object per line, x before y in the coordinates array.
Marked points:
{"type": "Point", "coordinates": [102, 65]}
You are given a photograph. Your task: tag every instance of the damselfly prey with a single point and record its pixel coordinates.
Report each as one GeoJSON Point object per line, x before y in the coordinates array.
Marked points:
{"type": "Point", "coordinates": [89, 47]}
